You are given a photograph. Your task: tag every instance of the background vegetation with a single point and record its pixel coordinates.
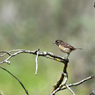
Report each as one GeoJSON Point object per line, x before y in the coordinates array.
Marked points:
{"type": "Point", "coordinates": [33, 24]}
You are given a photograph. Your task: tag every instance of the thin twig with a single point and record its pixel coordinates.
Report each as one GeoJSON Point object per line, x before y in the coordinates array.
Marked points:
{"type": "Point", "coordinates": [37, 62]}
{"type": "Point", "coordinates": [80, 82]}
{"type": "Point", "coordinates": [16, 79]}
{"type": "Point", "coordinates": [93, 92]}
{"type": "Point", "coordinates": [44, 54]}
{"type": "Point", "coordinates": [1, 93]}
{"type": "Point", "coordinates": [75, 84]}
{"type": "Point", "coordinates": [5, 52]}
{"type": "Point", "coordinates": [70, 89]}
{"type": "Point", "coordinates": [59, 83]}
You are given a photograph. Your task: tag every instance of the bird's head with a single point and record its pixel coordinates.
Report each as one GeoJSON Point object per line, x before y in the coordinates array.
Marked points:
{"type": "Point", "coordinates": [58, 42]}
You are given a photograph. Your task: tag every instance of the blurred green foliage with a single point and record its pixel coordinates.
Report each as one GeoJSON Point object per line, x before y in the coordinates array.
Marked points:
{"type": "Point", "coordinates": [33, 24]}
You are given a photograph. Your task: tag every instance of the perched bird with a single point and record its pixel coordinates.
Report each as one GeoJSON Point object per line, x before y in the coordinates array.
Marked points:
{"type": "Point", "coordinates": [64, 47]}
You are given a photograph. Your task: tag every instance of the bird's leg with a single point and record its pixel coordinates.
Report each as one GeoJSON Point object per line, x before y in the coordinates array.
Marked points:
{"type": "Point", "coordinates": [67, 55]}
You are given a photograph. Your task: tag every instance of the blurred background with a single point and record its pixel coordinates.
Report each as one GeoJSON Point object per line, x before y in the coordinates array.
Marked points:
{"type": "Point", "coordinates": [33, 24]}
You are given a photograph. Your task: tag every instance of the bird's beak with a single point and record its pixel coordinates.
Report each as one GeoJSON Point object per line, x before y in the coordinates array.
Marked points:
{"type": "Point", "coordinates": [53, 42]}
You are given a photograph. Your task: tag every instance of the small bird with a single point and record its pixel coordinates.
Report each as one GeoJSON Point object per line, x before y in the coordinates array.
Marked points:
{"type": "Point", "coordinates": [64, 47]}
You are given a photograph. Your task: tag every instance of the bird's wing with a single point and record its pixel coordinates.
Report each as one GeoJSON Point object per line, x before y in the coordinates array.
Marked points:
{"type": "Point", "coordinates": [67, 45]}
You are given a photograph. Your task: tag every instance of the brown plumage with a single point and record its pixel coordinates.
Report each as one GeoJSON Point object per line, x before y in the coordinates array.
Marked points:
{"type": "Point", "coordinates": [64, 47]}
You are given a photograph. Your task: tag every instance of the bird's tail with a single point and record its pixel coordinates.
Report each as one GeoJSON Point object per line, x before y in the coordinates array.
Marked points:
{"type": "Point", "coordinates": [79, 48]}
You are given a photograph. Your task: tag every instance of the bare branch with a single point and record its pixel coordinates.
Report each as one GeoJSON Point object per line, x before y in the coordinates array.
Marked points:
{"type": "Point", "coordinates": [61, 83]}
{"type": "Point", "coordinates": [16, 79]}
{"type": "Point", "coordinates": [44, 54]}
{"type": "Point", "coordinates": [5, 52]}
{"type": "Point", "coordinates": [1, 93]}
{"type": "Point", "coordinates": [75, 84]}
{"type": "Point", "coordinates": [70, 89]}
{"type": "Point", "coordinates": [37, 61]}
{"type": "Point", "coordinates": [80, 82]}
{"type": "Point", "coordinates": [93, 92]}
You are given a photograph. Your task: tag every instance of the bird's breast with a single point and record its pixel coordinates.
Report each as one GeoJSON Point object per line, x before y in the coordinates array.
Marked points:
{"type": "Point", "coordinates": [64, 49]}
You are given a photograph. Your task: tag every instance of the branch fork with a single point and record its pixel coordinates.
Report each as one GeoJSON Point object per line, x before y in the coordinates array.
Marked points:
{"type": "Point", "coordinates": [61, 83]}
